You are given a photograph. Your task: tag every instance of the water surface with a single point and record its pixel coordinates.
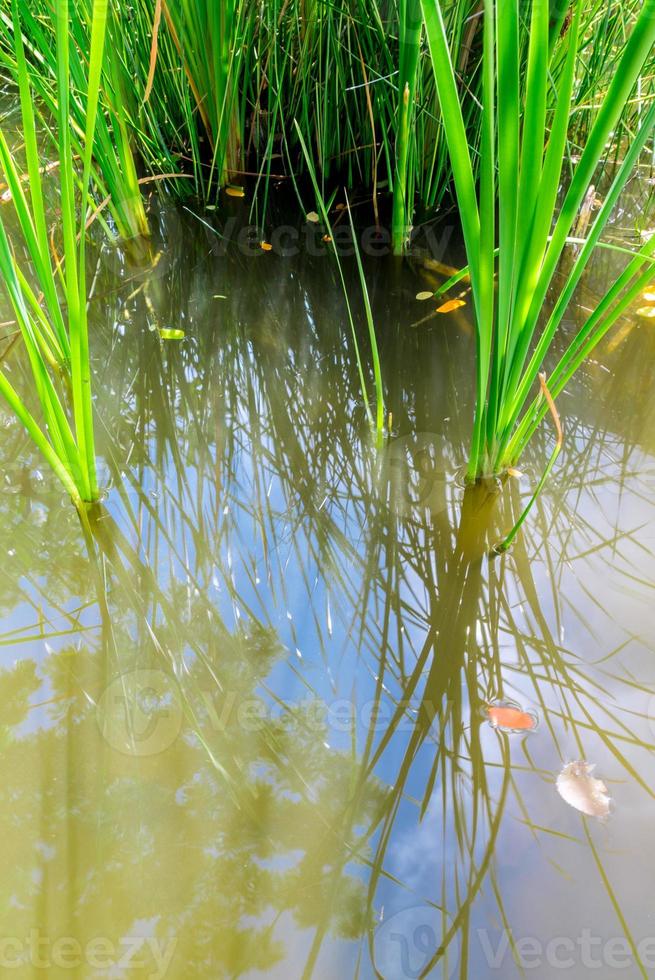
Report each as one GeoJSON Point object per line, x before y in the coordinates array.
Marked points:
{"type": "Point", "coordinates": [243, 715]}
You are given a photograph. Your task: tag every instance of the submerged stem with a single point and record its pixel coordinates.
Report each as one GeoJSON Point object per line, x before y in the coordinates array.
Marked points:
{"type": "Point", "coordinates": [511, 537]}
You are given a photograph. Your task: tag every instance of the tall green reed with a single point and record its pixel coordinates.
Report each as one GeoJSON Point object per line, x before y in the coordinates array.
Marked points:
{"type": "Point", "coordinates": [513, 227]}
{"type": "Point", "coordinates": [411, 28]}
{"type": "Point", "coordinates": [49, 295]}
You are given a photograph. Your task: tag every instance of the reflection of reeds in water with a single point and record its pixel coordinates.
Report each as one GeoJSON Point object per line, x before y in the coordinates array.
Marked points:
{"type": "Point", "coordinates": [230, 472]}
{"type": "Point", "coordinates": [462, 664]}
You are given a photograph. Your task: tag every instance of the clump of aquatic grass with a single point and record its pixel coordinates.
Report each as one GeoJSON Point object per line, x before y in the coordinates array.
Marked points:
{"type": "Point", "coordinates": [421, 162]}
{"type": "Point", "coordinates": [49, 296]}
{"type": "Point", "coordinates": [114, 167]}
{"type": "Point", "coordinates": [604, 29]}
{"type": "Point", "coordinates": [215, 87]}
{"type": "Point", "coordinates": [513, 228]}
{"type": "Point", "coordinates": [164, 132]}
{"type": "Point", "coordinates": [210, 39]}
{"type": "Point", "coordinates": [255, 68]}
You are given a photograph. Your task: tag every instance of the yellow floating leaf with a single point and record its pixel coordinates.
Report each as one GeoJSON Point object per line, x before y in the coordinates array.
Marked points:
{"type": "Point", "coordinates": [167, 333]}
{"type": "Point", "coordinates": [235, 192]}
{"type": "Point", "coordinates": [649, 297]}
{"type": "Point", "coordinates": [326, 238]}
{"type": "Point", "coordinates": [312, 216]}
{"type": "Point", "coordinates": [452, 304]}
{"type": "Point", "coordinates": [424, 295]}
{"type": "Point", "coordinates": [648, 311]}
{"type": "Point", "coordinates": [266, 247]}
{"type": "Point", "coordinates": [514, 472]}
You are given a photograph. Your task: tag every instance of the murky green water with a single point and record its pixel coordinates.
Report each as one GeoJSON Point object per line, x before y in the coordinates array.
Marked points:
{"type": "Point", "coordinates": [244, 718]}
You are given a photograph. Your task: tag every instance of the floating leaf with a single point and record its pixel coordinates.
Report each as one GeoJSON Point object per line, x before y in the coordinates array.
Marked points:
{"type": "Point", "coordinates": [514, 472]}
{"type": "Point", "coordinates": [579, 789]}
{"type": "Point", "coordinates": [235, 191]}
{"type": "Point", "coordinates": [312, 216]}
{"type": "Point", "coordinates": [450, 305]}
{"type": "Point", "coordinates": [647, 311]}
{"type": "Point", "coordinates": [649, 297]}
{"type": "Point", "coordinates": [421, 297]}
{"type": "Point", "coordinates": [168, 333]}
{"type": "Point", "coordinates": [266, 247]}
{"type": "Point", "coordinates": [510, 717]}
{"type": "Point", "coordinates": [326, 238]}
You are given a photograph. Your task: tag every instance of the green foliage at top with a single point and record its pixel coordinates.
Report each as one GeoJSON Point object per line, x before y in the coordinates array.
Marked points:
{"type": "Point", "coordinates": [212, 90]}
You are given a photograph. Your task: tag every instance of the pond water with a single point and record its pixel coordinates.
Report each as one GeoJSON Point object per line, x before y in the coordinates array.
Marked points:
{"type": "Point", "coordinates": [245, 713]}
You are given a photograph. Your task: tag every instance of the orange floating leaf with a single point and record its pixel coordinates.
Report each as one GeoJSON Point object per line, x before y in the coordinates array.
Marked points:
{"type": "Point", "coordinates": [266, 247]}
{"type": "Point", "coordinates": [511, 718]}
{"type": "Point", "coordinates": [450, 305]}
{"type": "Point", "coordinates": [235, 192]}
